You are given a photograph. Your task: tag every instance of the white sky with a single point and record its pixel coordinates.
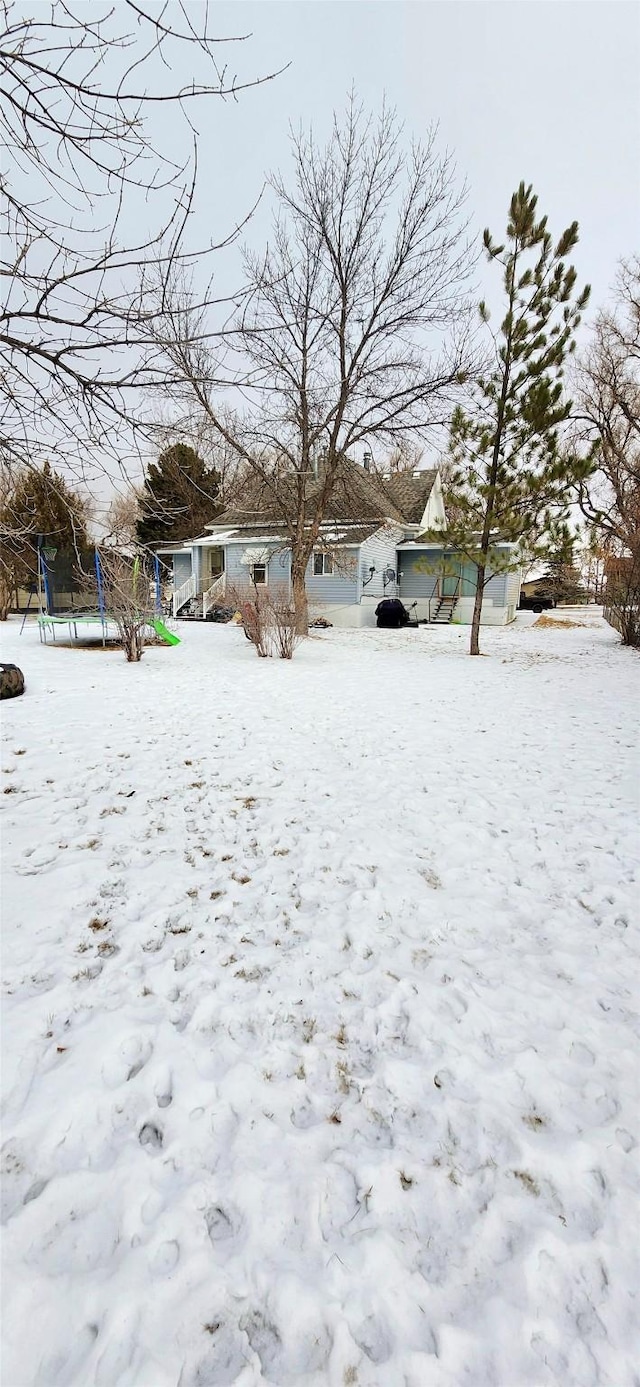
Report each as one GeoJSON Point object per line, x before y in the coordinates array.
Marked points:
{"type": "Point", "coordinates": [548, 92]}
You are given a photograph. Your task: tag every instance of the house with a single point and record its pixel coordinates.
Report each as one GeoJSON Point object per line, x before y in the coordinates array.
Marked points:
{"type": "Point", "coordinates": [372, 544]}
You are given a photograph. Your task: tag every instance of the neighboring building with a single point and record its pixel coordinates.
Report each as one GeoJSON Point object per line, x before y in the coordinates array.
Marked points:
{"type": "Point", "coordinates": [534, 586]}
{"type": "Point", "coordinates": [370, 546]}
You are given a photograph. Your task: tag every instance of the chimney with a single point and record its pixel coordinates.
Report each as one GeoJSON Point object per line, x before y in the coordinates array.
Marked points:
{"type": "Point", "coordinates": [366, 461]}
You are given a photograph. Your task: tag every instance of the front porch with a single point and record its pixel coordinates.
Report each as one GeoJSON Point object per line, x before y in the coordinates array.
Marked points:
{"type": "Point", "coordinates": [432, 582]}
{"type": "Point", "coordinates": [197, 579]}
{"type": "Point", "coordinates": [442, 585]}
{"type": "Point", "coordinates": [199, 603]}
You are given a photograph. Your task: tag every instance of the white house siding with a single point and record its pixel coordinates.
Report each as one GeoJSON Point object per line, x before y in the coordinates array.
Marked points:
{"type": "Point", "coordinates": [496, 590]}
{"type": "Point", "coordinates": [239, 574]}
{"type": "Point", "coordinates": [434, 517]}
{"type": "Point", "coordinates": [379, 552]}
{"type": "Point", "coordinates": [418, 586]}
{"type": "Point", "coordinates": [348, 601]}
{"type": "Point", "coordinates": [340, 587]}
{"type": "Point", "coordinates": [415, 580]}
{"type": "Point", "coordinates": [497, 608]}
{"type": "Point", "coordinates": [335, 596]}
{"type": "Point", "coordinates": [182, 569]}
{"type": "Point", "coordinates": [514, 580]}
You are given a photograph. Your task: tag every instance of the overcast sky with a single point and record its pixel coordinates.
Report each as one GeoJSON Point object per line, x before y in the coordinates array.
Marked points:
{"type": "Point", "coordinates": [546, 92]}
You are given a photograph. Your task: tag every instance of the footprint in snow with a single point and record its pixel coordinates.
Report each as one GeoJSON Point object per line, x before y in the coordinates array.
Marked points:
{"type": "Point", "coordinates": [304, 1115]}
{"type": "Point", "coordinates": [151, 1136]}
{"type": "Point", "coordinates": [35, 1190]}
{"type": "Point", "coordinates": [163, 1087]}
{"type": "Point", "coordinates": [67, 1364]}
{"type": "Point", "coordinates": [222, 1223]}
{"type": "Point", "coordinates": [625, 1139]}
{"type": "Point", "coordinates": [127, 1060]}
{"type": "Point", "coordinates": [374, 1338]}
{"type": "Point", "coordinates": [581, 1053]}
{"type": "Point", "coordinates": [265, 1342]}
{"type": "Point", "coordinates": [222, 1365]}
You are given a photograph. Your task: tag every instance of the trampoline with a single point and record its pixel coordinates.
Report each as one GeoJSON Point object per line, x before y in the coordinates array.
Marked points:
{"type": "Point", "coordinates": [71, 594]}
{"type": "Point", "coordinates": [47, 625]}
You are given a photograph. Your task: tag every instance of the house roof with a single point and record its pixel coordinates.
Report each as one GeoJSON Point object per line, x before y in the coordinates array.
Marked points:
{"type": "Point", "coordinates": [410, 493]}
{"type": "Point", "coordinates": [356, 495]}
{"type": "Point", "coordinates": [332, 532]}
{"type": "Point", "coordinates": [421, 542]}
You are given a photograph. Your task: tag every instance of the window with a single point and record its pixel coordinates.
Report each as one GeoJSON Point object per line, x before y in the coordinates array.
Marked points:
{"type": "Point", "coordinates": [258, 574]}
{"type": "Point", "coordinates": [322, 564]}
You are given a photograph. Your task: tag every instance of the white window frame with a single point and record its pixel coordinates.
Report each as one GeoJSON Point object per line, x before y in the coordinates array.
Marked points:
{"type": "Point", "coordinates": [252, 569]}
{"type": "Point", "coordinates": [217, 574]}
{"type": "Point", "coordinates": [326, 557]}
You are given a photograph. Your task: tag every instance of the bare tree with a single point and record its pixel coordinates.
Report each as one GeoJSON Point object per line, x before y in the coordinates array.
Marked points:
{"type": "Point", "coordinates": [127, 585]}
{"type": "Point", "coordinates": [608, 381]}
{"type": "Point", "coordinates": [199, 432]}
{"type": "Point", "coordinates": [404, 457]}
{"type": "Point", "coordinates": [353, 328]}
{"type": "Point", "coordinates": [78, 86]}
{"type": "Point", "coordinates": [122, 518]}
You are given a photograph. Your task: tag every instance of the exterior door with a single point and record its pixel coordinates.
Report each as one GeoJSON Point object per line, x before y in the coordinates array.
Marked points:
{"type": "Point", "coordinates": [216, 563]}
{"type": "Point", "coordinates": [451, 579]}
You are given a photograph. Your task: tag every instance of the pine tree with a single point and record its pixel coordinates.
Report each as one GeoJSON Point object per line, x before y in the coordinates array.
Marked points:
{"type": "Point", "coordinates": [39, 502]}
{"type": "Point", "coordinates": [511, 477]}
{"type": "Point", "coordinates": [180, 497]}
{"type": "Point", "coordinates": [562, 580]}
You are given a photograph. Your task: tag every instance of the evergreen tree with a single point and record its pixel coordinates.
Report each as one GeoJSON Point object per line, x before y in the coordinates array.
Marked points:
{"type": "Point", "coordinates": [510, 475]}
{"type": "Point", "coordinates": [39, 502]}
{"type": "Point", "coordinates": [180, 497]}
{"type": "Point", "coordinates": [562, 580]}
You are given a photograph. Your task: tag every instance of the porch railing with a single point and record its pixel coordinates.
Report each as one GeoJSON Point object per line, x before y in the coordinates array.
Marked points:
{"type": "Point", "coordinates": [213, 594]}
{"type": "Point", "coordinates": [183, 594]}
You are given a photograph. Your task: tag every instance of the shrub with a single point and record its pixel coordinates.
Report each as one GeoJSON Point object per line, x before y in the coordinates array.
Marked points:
{"type": "Point", "coordinates": [268, 618]}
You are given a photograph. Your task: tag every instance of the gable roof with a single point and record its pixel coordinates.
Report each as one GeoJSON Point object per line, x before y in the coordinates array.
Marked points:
{"type": "Point", "coordinates": [356, 495]}
{"type": "Point", "coordinates": [410, 492]}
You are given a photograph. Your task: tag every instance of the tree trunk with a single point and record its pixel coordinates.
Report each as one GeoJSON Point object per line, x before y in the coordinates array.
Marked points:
{"type": "Point", "coordinates": [300, 603]}
{"type": "Point", "coordinates": [132, 642]}
{"type": "Point", "coordinates": [474, 648]}
{"type": "Point", "coordinates": [5, 599]}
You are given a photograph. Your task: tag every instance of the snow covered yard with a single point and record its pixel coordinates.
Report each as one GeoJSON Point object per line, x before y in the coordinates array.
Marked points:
{"type": "Point", "coordinates": [319, 1046]}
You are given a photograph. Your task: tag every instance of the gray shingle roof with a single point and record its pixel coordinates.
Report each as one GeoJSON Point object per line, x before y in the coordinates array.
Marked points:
{"type": "Point", "coordinates": [410, 493]}
{"type": "Point", "coordinates": [357, 495]}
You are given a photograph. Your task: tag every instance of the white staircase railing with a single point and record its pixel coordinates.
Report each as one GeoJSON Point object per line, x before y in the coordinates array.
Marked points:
{"type": "Point", "coordinates": [183, 594]}
{"type": "Point", "coordinates": [212, 595]}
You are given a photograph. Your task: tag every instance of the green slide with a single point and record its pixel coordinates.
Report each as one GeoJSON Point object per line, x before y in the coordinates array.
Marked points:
{"type": "Point", "coordinates": [165, 635]}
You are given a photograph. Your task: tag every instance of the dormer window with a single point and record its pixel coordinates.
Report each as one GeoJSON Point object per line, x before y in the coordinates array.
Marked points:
{"type": "Point", "coordinates": [322, 564]}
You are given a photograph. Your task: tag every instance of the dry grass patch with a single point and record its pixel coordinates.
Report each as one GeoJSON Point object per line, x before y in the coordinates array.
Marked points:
{"type": "Point", "coordinates": [563, 622]}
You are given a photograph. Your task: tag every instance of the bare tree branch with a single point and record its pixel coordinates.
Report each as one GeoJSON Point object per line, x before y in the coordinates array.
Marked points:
{"type": "Point", "coordinates": [608, 386]}
{"type": "Point", "coordinates": [354, 326]}
{"type": "Point", "coordinates": [79, 295]}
